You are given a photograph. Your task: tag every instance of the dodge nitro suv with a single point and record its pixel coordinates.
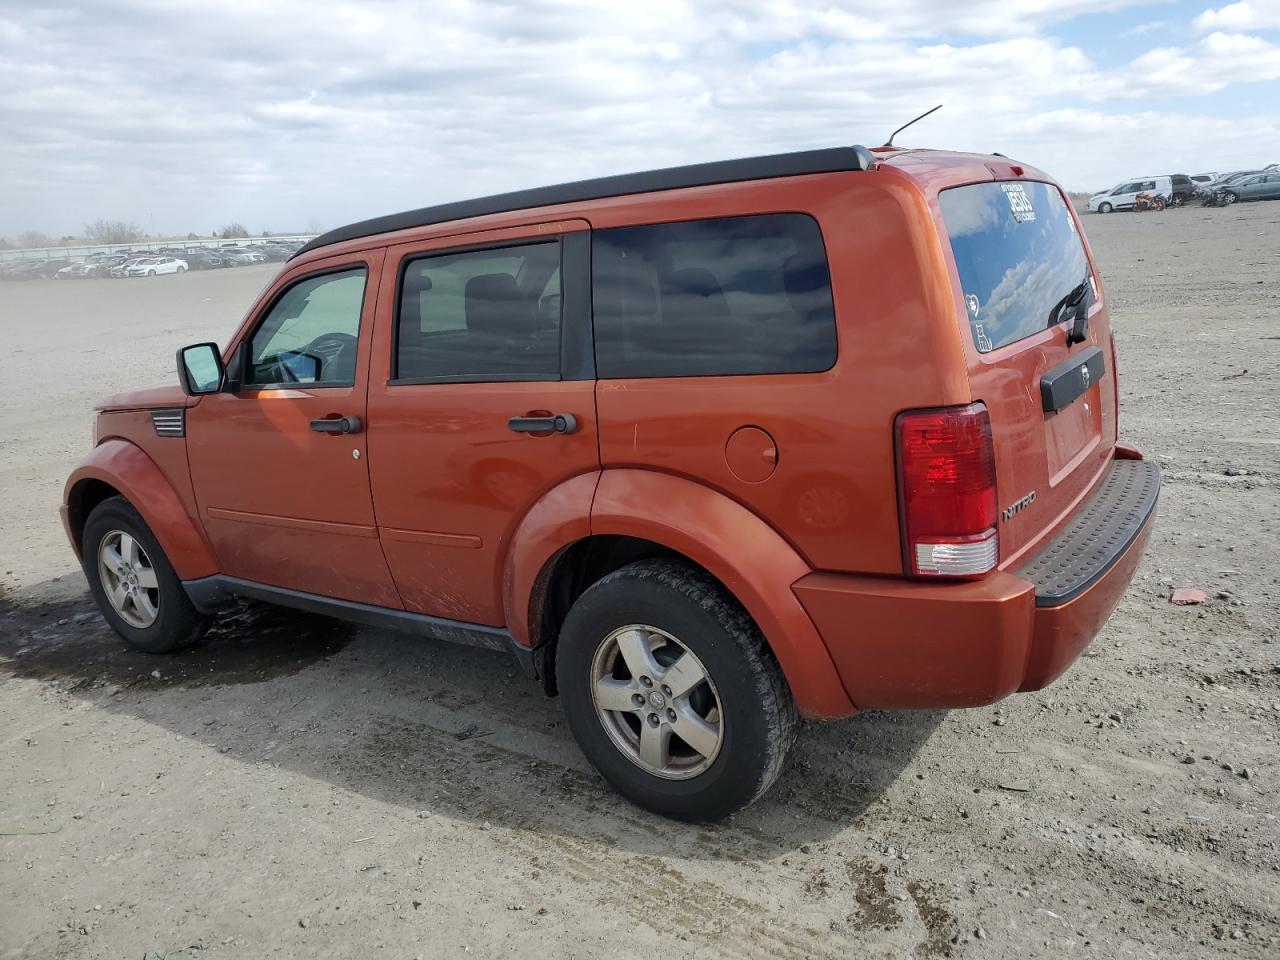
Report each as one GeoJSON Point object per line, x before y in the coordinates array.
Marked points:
{"type": "Point", "coordinates": [710, 449]}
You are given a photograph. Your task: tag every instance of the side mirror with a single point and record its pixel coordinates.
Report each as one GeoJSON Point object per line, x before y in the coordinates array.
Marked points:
{"type": "Point", "coordinates": [200, 369]}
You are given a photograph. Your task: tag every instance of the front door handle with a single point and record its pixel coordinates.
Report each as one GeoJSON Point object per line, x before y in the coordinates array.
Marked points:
{"type": "Point", "coordinates": [336, 425]}
{"type": "Point", "coordinates": [554, 423]}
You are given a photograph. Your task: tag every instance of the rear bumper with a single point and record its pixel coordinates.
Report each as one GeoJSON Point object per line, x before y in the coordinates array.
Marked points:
{"type": "Point", "coordinates": [913, 644]}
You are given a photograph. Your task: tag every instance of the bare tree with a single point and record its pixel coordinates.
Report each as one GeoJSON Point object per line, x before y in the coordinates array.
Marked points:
{"type": "Point", "coordinates": [34, 238]}
{"type": "Point", "coordinates": [315, 226]}
{"type": "Point", "coordinates": [233, 231]}
{"type": "Point", "coordinates": [112, 231]}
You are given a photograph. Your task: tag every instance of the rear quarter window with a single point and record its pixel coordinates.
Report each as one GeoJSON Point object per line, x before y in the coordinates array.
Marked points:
{"type": "Point", "coordinates": [1018, 254]}
{"type": "Point", "coordinates": [733, 295]}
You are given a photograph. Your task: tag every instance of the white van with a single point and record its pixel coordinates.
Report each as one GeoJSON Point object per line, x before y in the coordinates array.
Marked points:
{"type": "Point", "coordinates": [1121, 196]}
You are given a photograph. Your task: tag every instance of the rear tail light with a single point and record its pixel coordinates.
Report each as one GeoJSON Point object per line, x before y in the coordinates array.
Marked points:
{"type": "Point", "coordinates": [947, 489]}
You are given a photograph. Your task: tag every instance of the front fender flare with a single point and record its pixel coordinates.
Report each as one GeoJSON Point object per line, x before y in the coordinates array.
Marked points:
{"type": "Point", "coordinates": [125, 467]}
{"type": "Point", "coordinates": [744, 553]}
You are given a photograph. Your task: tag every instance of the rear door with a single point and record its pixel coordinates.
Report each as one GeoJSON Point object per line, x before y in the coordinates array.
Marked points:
{"type": "Point", "coordinates": [1020, 264]}
{"type": "Point", "coordinates": [1254, 188]}
{"type": "Point", "coordinates": [484, 340]}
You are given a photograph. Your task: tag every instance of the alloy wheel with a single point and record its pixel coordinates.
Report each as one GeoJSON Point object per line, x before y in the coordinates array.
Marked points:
{"type": "Point", "coordinates": [128, 579]}
{"type": "Point", "coordinates": [657, 702]}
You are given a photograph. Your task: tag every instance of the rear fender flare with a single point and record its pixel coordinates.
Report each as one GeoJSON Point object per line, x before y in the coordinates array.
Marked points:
{"type": "Point", "coordinates": [737, 547]}
{"type": "Point", "coordinates": [126, 468]}
{"type": "Point", "coordinates": [560, 518]}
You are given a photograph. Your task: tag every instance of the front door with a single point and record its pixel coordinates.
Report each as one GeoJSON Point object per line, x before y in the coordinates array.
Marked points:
{"type": "Point", "coordinates": [483, 342]}
{"type": "Point", "coordinates": [279, 461]}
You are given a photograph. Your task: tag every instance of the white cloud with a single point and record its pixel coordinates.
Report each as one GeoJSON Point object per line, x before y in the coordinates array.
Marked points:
{"type": "Point", "coordinates": [273, 114]}
{"type": "Point", "coordinates": [1248, 15]}
{"type": "Point", "coordinates": [1216, 62]}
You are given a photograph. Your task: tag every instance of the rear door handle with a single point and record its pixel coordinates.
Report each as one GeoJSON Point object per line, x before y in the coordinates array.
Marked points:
{"type": "Point", "coordinates": [336, 425]}
{"type": "Point", "coordinates": [557, 423]}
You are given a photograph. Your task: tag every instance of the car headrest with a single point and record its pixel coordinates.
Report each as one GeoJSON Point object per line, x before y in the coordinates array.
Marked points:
{"type": "Point", "coordinates": [494, 306]}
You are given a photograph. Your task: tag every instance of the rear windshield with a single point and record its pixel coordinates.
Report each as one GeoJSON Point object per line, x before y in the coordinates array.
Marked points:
{"type": "Point", "coordinates": [1018, 254]}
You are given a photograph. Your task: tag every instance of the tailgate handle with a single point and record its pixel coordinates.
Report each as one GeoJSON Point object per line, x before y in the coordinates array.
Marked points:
{"type": "Point", "coordinates": [1063, 385]}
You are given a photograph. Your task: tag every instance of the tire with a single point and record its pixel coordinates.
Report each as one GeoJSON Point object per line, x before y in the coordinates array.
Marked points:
{"type": "Point", "coordinates": [1228, 198]}
{"type": "Point", "coordinates": [176, 623]}
{"type": "Point", "coordinates": [1105, 208]}
{"type": "Point", "coordinates": [181, 270]}
{"type": "Point", "coordinates": [151, 273]}
{"type": "Point", "coordinates": [742, 700]}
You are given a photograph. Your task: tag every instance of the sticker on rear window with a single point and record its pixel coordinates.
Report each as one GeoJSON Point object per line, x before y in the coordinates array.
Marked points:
{"type": "Point", "coordinates": [1019, 202]}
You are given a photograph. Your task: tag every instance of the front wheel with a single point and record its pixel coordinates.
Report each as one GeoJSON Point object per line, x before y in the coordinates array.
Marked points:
{"type": "Point", "coordinates": [1229, 198]}
{"type": "Point", "coordinates": [133, 582]}
{"type": "Point", "coordinates": [181, 270]}
{"type": "Point", "coordinates": [672, 693]}
{"type": "Point", "coordinates": [1105, 208]}
{"type": "Point", "coordinates": [151, 273]}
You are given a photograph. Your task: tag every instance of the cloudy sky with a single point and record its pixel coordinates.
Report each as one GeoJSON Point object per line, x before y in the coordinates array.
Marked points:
{"type": "Point", "coordinates": [280, 113]}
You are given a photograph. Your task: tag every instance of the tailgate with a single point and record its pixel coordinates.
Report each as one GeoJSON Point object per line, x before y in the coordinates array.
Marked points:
{"type": "Point", "coordinates": [1024, 277]}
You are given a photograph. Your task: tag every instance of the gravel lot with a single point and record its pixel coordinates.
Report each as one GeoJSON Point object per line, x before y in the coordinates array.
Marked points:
{"type": "Point", "coordinates": [298, 788]}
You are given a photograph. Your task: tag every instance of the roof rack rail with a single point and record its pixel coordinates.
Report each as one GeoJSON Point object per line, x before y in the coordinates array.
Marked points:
{"type": "Point", "coordinates": [826, 160]}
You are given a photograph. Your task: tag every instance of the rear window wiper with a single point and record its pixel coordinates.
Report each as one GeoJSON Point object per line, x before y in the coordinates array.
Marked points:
{"type": "Point", "coordinates": [1076, 304]}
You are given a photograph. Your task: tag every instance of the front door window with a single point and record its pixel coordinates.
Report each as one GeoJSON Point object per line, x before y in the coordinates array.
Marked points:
{"type": "Point", "coordinates": [310, 335]}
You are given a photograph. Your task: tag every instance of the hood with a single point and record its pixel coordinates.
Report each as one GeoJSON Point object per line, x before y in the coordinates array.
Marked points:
{"type": "Point", "coordinates": [169, 395]}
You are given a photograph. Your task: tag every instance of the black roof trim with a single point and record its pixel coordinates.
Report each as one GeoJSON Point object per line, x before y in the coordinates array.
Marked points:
{"type": "Point", "coordinates": [826, 160]}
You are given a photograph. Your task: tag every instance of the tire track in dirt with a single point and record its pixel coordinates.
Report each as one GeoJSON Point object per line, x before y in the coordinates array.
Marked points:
{"type": "Point", "coordinates": [669, 899]}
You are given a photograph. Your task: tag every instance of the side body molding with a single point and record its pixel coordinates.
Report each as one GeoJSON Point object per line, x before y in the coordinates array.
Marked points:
{"type": "Point", "coordinates": [128, 469]}
{"type": "Point", "coordinates": [746, 554]}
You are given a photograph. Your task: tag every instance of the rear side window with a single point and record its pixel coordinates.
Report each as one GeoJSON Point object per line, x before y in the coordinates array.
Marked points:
{"type": "Point", "coordinates": [481, 315]}
{"type": "Point", "coordinates": [736, 295]}
{"type": "Point", "coordinates": [1018, 254]}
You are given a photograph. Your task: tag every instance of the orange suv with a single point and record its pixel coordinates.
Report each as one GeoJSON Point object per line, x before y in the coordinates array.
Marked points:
{"type": "Point", "coordinates": [710, 449]}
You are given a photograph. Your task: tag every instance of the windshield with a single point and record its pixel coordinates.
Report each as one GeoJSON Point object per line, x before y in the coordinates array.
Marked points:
{"type": "Point", "coordinates": [1018, 254]}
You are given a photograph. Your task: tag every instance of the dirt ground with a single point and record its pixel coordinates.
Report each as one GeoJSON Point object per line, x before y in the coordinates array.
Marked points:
{"type": "Point", "coordinates": [299, 788]}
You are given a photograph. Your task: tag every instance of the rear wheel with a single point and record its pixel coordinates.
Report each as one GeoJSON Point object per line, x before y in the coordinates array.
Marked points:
{"type": "Point", "coordinates": [1105, 208]}
{"type": "Point", "coordinates": [133, 582]}
{"type": "Point", "coordinates": [672, 693]}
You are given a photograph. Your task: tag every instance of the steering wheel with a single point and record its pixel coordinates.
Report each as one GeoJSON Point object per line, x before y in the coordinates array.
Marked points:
{"type": "Point", "coordinates": [337, 353]}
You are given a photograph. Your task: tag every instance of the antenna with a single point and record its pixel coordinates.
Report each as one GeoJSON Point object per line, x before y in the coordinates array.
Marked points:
{"type": "Point", "coordinates": [910, 122]}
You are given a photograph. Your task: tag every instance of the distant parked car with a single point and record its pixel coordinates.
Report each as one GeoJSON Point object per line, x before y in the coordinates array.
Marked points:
{"type": "Point", "coordinates": [200, 259]}
{"type": "Point", "coordinates": [74, 271]}
{"type": "Point", "coordinates": [157, 265]}
{"type": "Point", "coordinates": [1264, 186]}
{"type": "Point", "coordinates": [1123, 195]}
{"type": "Point", "coordinates": [102, 266]}
{"type": "Point", "coordinates": [1184, 189]}
{"type": "Point", "coordinates": [239, 256]}
{"type": "Point", "coordinates": [121, 269]}
{"type": "Point", "coordinates": [1213, 193]}
{"type": "Point", "coordinates": [14, 270]}
{"type": "Point", "coordinates": [39, 270]}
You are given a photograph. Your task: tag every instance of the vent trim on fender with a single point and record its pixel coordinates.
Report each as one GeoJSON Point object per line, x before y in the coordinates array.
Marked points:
{"type": "Point", "coordinates": [170, 421]}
